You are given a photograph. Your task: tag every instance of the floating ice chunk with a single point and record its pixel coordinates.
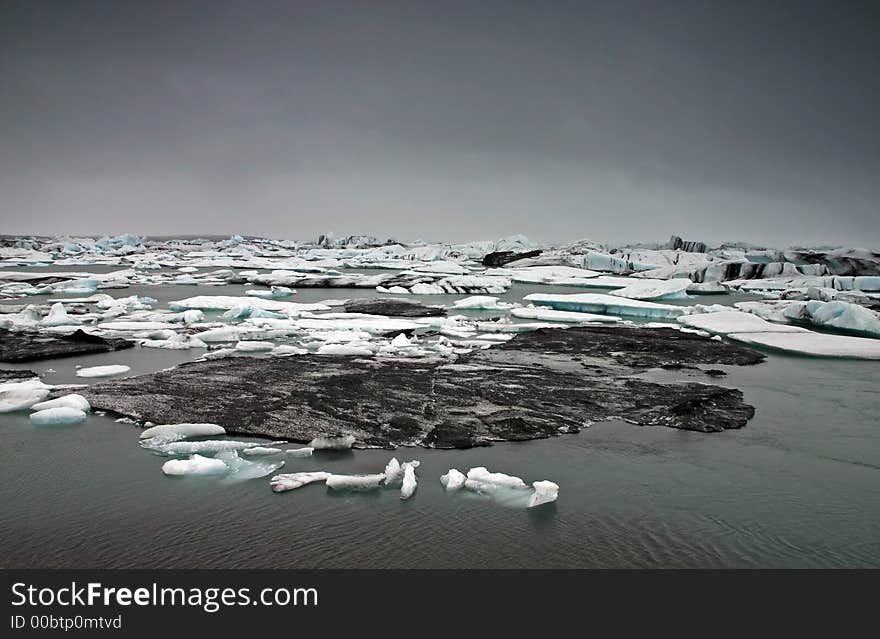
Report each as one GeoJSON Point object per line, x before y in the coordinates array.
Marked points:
{"type": "Point", "coordinates": [69, 401]}
{"type": "Point", "coordinates": [285, 350]}
{"type": "Point", "coordinates": [332, 443]}
{"type": "Point", "coordinates": [545, 492]}
{"type": "Point", "coordinates": [607, 304]}
{"type": "Point", "coordinates": [261, 450]}
{"type": "Point", "coordinates": [224, 334]}
{"type": "Point", "coordinates": [254, 347]}
{"type": "Point", "coordinates": [396, 290]}
{"type": "Point", "coordinates": [654, 289]}
{"type": "Point", "coordinates": [408, 487]}
{"type": "Point", "coordinates": [136, 326]}
{"type": "Point", "coordinates": [707, 288]}
{"type": "Point", "coordinates": [58, 416]}
{"type": "Point", "coordinates": [453, 480]}
{"type": "Point", "coordinates": [103, 371]}
{"type": "Point", "coordinates": [193, 316]}
{"type": "Point", "coordinates": [480, 302]}
{"type": "Point", "coordinates": [400, 341]}
{"type": "Point", "coordinates": [226, 302]}
{"type": "Point", "coordinates": [183, 430]}
{"type": "Point", "coordinates": [58, 317]}
{"type": "Point", "coordinates": [480, 478]}
{"type": "Point", "coordinates": [22, 395]}
{"type": "Point", "coordinates": [305, 451]}
{"type": "Point", "coordinates": [343, 349]}
{"type": "Point", "coordinates": [549, 315]}
{"type": "Point", "coordinates": [726, 322]}
{"type": "Point", "coordinates": [843, 315]}
{"type": "Point", "coordinates": [546, 274]}
{"type": "Point", "coordinates": [195, 465]}
{"type": "Point", "coordinates": [206, 446]}
{"type": "Point", "coordinates": [422, 288]}
{"type": "Point", "coordinates": [392, 471]}
{"type": "Point", "coordinates": [814, 344]}
{"type": "Point", "coordinates": [354, 482]}
{"type": "Point", "coordinates": [243, 469]}
{"type": "Point", "coordinates": [292, 481]}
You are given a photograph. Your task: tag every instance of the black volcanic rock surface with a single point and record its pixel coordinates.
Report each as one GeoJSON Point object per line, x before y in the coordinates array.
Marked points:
{"type": "Point", "coordinates": [28, 347]}
{"type": "Point", "coordinates": [540, 384]}
{"type": "Point", "coordinates": [392, 307]}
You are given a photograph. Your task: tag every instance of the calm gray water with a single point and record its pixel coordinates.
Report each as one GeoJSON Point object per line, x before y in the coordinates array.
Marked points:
{"type": "Point", "coordinates": [799, 486]}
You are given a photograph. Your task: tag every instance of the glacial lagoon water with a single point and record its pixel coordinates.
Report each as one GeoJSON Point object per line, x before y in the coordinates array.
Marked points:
{"type": "Point", "coordinates": [799, 486]}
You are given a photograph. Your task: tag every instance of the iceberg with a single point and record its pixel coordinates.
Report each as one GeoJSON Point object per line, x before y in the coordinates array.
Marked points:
{"type": "Point", "coordinates": [480, 302]}
{"type": "Point", "coordinates": [103, 371]}
{"type": "Point", "coordinates": [58, 317]}
{"type": "Point", "coordinates": [67, 401]}
{"type": "Point", "coordinates": [392, 471]}
{"type": "Point", "coordinates": [261, 450]}
{"type": "Point", "coordinates": [183, 430]}
{"type": "Point", "coordinates": [813, 344]}
{"type": "Point", "coordinates": [408, 487]}
{"type": "Point", "coordinates": [481, 479]}
{"type": "Point", "coordinates": [332, 443]}
{"type": "Point", "coordinates": [300, 452]}
{"type": "Point", "coordinates": [17, 396]}
{"type": "Point", "coordinates": [841, 315]}
{"type": "Point", "coordinates": [292, 481]}
{"type": "Point", "coordinates": [243, 469]}
{"type": "Point", "coordinates": [195, 465]}
{"type": "Point", "coordinates": [354, 482]}
{"type": "Point", "coordinates": [607, 304]}
{"type": "Point", "coordinates": [726, 322]}
{"type": "Point", "coordinates": [545, 492]}
{"type": "Point", "coordinates": [550, 315]}
{"type": "Point", "coordinates": [61, 415]}
{"type": "Point", "coordinates": [227, 302]}
{"type": "Point", "coordinates": [254, 347]}
{"type": "Point", "coordinates": [654, 289]}
{"type": "Point", "coordinates": [343, 349]}
{"type": "Point", "coordinates": [453, 480]}
{"type": "Point", "coordinates": [187, 448]}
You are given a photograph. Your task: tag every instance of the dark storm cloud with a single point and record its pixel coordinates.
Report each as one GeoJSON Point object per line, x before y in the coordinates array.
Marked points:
{"type": "Point", "coordinates": [445, 120]}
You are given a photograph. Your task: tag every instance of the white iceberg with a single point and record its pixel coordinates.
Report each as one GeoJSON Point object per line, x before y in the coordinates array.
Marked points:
{"type": "Point", "coordinates": [343, 350]}
{"type": "Point", "coordinates": [172, 431]}
{"type": "Point", "coordinates": [814, 344]}
{"type": "Point", "coordinates": [17, 396]}
{"type": "Point", "coordinates": [392, 471]}
{"type": "Point", "coordinates": [726, 322]}
{"type": "Point", "coordinates": [408, 487]}
{"type": "Point", "coordinates": [258, 451]}
{"type": "Point", "coordinates": [480, 302]}
{"type": "Point", "coordinates": [242, 469]}
{"type": "Point", "coordinates": [480, 479]}
{"type": "Point", "coordinates": [354, 482]}
{"type": "Point", "coordinates": [61, 415]}
{"type": "Point", "coordinates": [69, 401]}
{"type": "Point", "coordinates": [206, 446]}
{"type": "Point", "coordinates": [254, 347]}
{"type": "Point", "coordinates": [299, 452]}
{"type": "Point", "coordinates": [292, 481]}
{"type": "Point", "coordinates": [453, 480]}
{"type": "Point", "coordinates": [195, 465]}
{"type": "Point", "coordinates": [654, 289]}
{"type": "Point", "coordinates": [545, 492]}
{"type": "Point", "coordinates": [103, 371]}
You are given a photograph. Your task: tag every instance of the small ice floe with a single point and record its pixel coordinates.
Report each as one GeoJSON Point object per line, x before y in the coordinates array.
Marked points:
{"type": "Point", "coordinates": [332, 443]}
{"type": "Point", "coordinates": [481, 302]}
{"type": "Point", "coordinates": [258, 451]}
{"type": "Point", "coordinates": [305, 451]}
{"type": "Point", "coordinates": [355, 482]}
{"type": "Point", "coordinates": [59, 416]}
{"type": "Point", "coordinates": [242, 469]}
{"type": "Point", "coordinates": [180, 431]}
{"type": "Point", "coordinates": [408, 487]}
{"type": "Point", "coordinates": [452, 480]}
{"type": "Point", "coordinates": [392, 471]}
{"type": "Point", "coordinates": [343, 349]}
{"type": "Point", "coordinates": [549, 315]}
{"type": "Point", "coordinates": [15, 396]}
{"type": "Point", "coordinates": [186, 448]}
{"type": "Point", "coordinates": [481, 479]}
{"type": "Point", "coordinates": [195, 465]}
{"type": "Point", "coordinates": [607, 304]}
{"type": "Point", "coordinates": [286, 350]}
{"type": "Point", "coordinates": [103, 371]}
{"type": "Point", "coordinates": [545, 492]}
{"type": "Point", "coordinates": [254, 347]}
{"type": "Point", "coordinates": [292, 481]}
{"type": "Point", "coordinates": [655, 289]}
{"type": "Point", "coordinates": [70, 401]}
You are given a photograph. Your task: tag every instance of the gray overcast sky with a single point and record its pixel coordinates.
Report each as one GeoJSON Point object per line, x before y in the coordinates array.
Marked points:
{"type": "Point", "coordinates": [615, 121]}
